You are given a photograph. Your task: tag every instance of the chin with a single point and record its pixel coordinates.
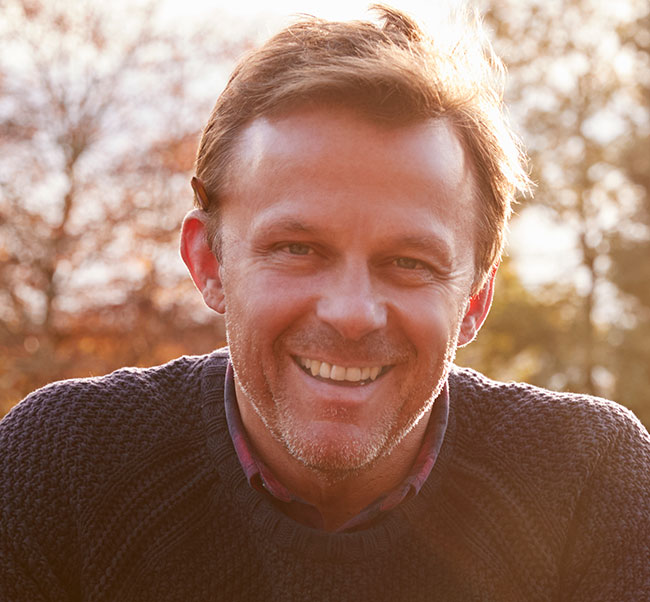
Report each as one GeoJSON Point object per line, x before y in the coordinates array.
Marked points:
{"type": "Point", "coordinates": [337, 451]}
{"type": "Point", "coordinates": [333, 462]}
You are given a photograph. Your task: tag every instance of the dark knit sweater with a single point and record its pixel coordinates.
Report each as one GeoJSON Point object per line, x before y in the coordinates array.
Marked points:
{"type": "Point", "coordinates": [127, 488]}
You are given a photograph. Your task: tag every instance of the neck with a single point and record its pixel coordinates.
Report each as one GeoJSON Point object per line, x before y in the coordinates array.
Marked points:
{"type": "Point", "coordinates": [340, 497]}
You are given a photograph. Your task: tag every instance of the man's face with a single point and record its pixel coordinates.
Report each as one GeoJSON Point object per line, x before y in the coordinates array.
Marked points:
{"type": "Point", "coordinates": [346, 268]}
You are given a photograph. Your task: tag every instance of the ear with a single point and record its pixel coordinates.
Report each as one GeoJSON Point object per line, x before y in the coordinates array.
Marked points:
{"type": "Point", "coordinates": [201, 261]}
{"type": "Point", "coordinates": [477, 310]}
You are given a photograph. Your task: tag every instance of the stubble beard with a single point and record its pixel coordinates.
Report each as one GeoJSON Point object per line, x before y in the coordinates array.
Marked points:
{"type": "Point", "coordinates": [349, 457]}
{"type": "Point", "coordinates": [334, 462]}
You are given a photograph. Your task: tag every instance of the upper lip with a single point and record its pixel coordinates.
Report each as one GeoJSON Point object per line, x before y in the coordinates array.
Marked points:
{"type": "Point", "coordinates": [346, 360]}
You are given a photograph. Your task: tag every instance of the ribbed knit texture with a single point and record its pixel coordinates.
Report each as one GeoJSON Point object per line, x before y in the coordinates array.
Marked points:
{"type": "Point", "coordinates": [127, 488]}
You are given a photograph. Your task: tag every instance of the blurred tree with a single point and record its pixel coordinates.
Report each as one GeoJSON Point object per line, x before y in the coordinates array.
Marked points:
{"type": "Point", "coordinates": [630, 266]}
{"type": "Point", "coordinates": [97, 128]}
{"type": "Point", "coordinates": [574, 93]}
{"type": "Point", "coordinates": [98, 110]}
{"type": "Point", "coordinates": [526, 333]}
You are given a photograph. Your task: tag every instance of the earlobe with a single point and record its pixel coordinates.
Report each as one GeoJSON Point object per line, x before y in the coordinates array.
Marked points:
{"type": "Point", "coordinates": [201, 261]}
{"type": "Point", "coordinates": [477, 311]}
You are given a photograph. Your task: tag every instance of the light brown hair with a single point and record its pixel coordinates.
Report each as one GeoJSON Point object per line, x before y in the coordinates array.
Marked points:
{"type": "Point", "coordinates": [392, 73]}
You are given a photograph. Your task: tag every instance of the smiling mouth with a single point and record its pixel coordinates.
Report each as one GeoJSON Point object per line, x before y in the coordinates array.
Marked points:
{"type": "Point", "coordinates": [351, 375]}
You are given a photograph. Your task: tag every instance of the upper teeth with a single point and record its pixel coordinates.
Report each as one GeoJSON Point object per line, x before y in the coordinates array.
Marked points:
{"type": "Point", "coordinates": [351, 374]}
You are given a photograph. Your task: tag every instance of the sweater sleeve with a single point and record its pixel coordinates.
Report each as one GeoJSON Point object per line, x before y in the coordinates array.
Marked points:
{"type": "Point", "coordinates": [35, 515]}
{"type": "Point", "coordinates": [607, 556]}
{"type": "Point", "coordinates": [65, 449]}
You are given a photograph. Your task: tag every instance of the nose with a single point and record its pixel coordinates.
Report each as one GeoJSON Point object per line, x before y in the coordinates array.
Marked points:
{"type": "Point", "coordinates": [351, 305]}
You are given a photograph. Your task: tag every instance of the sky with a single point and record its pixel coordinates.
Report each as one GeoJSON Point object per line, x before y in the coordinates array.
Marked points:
{"type": "Point", "coordinates": [268, 16]}
{"type": "Point", "coordinates": [332, 9]}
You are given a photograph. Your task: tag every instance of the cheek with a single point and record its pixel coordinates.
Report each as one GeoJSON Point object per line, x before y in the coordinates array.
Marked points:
{"type": "Point", "coordinates": [428, 320]}
{"type": "Point", "coordinates": [266, 303]}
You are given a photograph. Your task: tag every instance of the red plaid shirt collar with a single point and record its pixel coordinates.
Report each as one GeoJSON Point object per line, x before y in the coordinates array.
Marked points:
{"type": "Point", "coordinates": [261, 478]}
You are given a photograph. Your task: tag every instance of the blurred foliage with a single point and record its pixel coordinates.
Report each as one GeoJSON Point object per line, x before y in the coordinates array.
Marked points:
{"type": "Point", "coordinates": [98, 131]}
{"type": "Point", "coordinates": [98, 126]}
{"type": "Point", "coordinates": [579, 91]}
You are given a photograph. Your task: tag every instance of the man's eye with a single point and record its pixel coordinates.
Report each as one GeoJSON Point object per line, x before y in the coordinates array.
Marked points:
{"type": "Point", "coordinates": [408, 263]}
{"type": "Point", "coordinates": [297, 248]}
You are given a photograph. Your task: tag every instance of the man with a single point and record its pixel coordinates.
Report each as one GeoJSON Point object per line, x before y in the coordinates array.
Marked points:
{"type": "Point", "coordinates": [353, 185]}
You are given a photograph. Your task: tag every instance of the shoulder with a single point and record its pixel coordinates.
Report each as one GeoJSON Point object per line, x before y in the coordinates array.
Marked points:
{"type": "Point", "coordinates": [118, 394]}
{"type": "Point", "coordinates": [76, 453]}
{"type": "Point", "coordinates": [100, 422]}
{"type": "Point", "coordinates": [548, 435]}
{"type": "Point", "coordinates": [506, 406]}
{"type": "Point", "coordinates": [124, 390]}
{"type": "Point", "coordinates": [550, 451]}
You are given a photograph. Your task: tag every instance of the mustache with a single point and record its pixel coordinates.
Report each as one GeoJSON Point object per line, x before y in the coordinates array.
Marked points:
{"type": "Point", "coordinates": [323, 341]}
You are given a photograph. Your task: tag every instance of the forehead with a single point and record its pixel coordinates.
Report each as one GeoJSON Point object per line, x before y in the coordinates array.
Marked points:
{"type": "Point", "coordinates": [336, 158]}
{"type": "Point", "coordinates": [313, 131]}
